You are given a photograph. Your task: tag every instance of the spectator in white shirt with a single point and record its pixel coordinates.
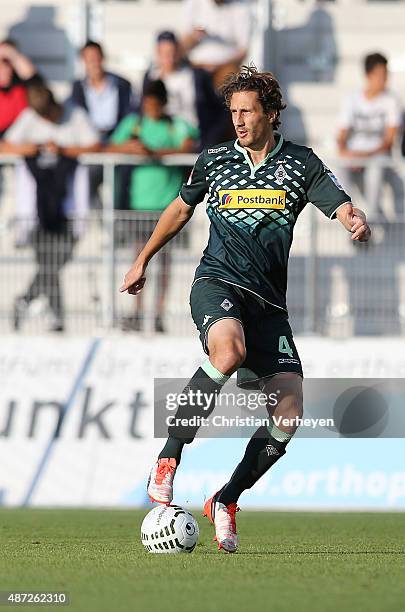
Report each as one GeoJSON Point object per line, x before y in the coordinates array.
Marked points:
{"type": "Point", "coordinates": [217, 35]}
{"type": "Point", "coordinates": [52, 190]}
{"type": "Point", "coordinates": [107, 97]}
{"type": "Point", "coordinates": [368, 126]}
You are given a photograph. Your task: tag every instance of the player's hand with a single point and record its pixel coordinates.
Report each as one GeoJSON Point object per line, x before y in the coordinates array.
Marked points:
{"type": "Point", "coordinates": [358, 224]}
{"type": "Point", "coordinates": [134, 279]}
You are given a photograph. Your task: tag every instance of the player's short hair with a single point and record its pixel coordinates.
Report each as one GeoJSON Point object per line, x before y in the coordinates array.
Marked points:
{"type": "Point", "coordinates": [264, 83]}
{"type": "Point", "coordinates": [157, 89]}
{"type": "Point", "coordinates": [372, 60]}
{"type": "Point", "coordinates": [92, 44]}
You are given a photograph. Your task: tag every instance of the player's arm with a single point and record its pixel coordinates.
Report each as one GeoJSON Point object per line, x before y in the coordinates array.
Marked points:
{"type": "Point", "coordinates": [354, 220]}
{"type": "Point", "coordinates": [326, 193]}
{"type": "Point", "coordinates": [171, 221]}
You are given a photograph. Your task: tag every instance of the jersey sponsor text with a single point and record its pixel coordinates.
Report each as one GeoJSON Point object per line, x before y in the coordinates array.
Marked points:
{"type": "Point", "coordinates": [252, 198]}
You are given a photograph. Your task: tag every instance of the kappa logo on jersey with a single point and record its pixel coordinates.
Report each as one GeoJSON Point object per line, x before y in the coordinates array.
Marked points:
{"type": "Point", "coordinates": [252, 198]}
{"type": "Point", "coordinates": [206, 319]}
{"type": "Point", "coordinates": [218, 150]}
{"type": "Point", "coordinates": [280, 175]}
{"type": "Point", "coordinates": [226, 304]}
{"type": "Point", "coordinates": [271, 450]}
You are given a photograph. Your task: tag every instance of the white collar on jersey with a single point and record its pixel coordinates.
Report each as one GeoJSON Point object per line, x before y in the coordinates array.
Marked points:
{"type": "Point", "coordinates": [252, 167]}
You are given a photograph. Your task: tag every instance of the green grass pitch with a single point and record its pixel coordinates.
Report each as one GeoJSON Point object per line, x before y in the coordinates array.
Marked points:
{"type": "Point", "coordinates": [287, 561]}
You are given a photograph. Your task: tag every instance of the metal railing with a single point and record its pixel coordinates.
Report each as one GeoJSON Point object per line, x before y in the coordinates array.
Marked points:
{"type": "Point", "coordinates": [109, 163]}
{"type": "Point", "coordinates": [336, 288]}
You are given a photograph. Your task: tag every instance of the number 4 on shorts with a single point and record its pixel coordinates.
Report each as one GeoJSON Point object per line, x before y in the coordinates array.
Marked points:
{"type": "Point", "coordinates": [284, 347]}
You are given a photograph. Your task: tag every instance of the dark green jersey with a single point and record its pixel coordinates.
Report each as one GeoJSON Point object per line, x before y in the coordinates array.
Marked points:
{"type": "Point", "coordinates": [253, 210]}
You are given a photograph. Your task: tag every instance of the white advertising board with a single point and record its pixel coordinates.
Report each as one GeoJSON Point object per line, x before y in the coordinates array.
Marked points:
{"type": "Point", "coordinates": [76, 427]}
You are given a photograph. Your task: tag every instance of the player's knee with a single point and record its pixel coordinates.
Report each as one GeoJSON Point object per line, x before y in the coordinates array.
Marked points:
{"type": "Point", "coordinates": [288, 387]}
{"type": "Point", "coordinates": [292, 406]}
{"type": "Point", "coordinates": [229, 356]}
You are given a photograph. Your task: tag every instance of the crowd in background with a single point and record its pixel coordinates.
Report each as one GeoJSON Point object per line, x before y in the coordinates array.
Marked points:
{"type": "Point", "coordinates": [179, 109]}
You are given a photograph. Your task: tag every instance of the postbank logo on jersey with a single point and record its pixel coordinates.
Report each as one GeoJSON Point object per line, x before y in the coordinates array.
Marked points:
{"type": "Point", "coordinates": [252, 198]}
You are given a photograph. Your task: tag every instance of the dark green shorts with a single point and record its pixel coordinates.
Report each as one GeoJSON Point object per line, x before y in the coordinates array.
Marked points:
{"type": "Point", "coordinates": [270, 347]}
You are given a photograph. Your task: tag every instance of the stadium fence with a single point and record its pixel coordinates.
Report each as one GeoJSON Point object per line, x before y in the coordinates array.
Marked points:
{"type": "Point", "coordinates": [336, 288]}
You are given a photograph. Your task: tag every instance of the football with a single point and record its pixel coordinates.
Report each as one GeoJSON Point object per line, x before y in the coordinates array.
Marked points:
{"type": "Point", "coordinates": [169, 529]}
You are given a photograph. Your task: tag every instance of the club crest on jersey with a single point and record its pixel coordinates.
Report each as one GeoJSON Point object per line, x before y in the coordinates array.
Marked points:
{"type": "Point", "coordinates": [280, 175]}
{"type": "Point", "coordinates": [226, 304]}
{"type": "Point", "coordinates": [252, 198]}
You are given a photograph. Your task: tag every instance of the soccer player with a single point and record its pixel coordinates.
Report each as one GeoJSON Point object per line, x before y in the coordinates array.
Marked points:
{"type": "Point", "coordinates": [256, 186]}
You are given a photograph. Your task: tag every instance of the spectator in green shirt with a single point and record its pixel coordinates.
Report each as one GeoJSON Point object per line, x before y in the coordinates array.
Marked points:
{"type": "Point", "coordinates": [155, 134]}
{"type": "Point", "coordinates": [153, 186]}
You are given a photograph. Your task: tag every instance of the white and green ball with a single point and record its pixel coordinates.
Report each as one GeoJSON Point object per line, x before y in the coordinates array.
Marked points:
{"type": "Point", "coordinates": [169, 529]}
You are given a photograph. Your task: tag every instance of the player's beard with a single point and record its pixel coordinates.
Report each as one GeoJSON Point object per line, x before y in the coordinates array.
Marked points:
{"type": "Point", "coordinates": [254, 137]}
{"type": "Point", "coordinates": [251, 140]}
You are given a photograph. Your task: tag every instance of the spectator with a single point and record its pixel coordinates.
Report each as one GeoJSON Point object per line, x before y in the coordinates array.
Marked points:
{"type": "Point", "coordinates": [190, 92]}
{"type": "Point", "coordinates": [16, 70]}
{"type": "Point", "coordinates": [104, 95]}
{"type": "Point", "coordinates": [155, 134]}
{"type": "Point", "coordinates": [217, 35]}
{"type": "Point", "coordinates": [50, 137]}
{"type": "Point", "coordinates": [368, 126]}
{"type": "Point", "coordinates": [107, 97]}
